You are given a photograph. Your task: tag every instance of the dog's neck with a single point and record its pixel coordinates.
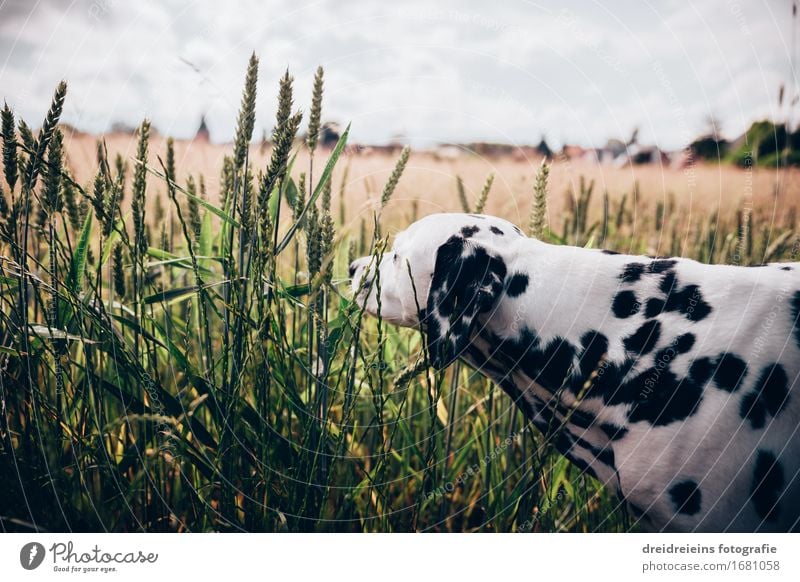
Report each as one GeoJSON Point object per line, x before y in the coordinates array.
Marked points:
{"type": "Point", "coordinates": [546, 346]}
{"type": "Point", "coordinates": [554, 326]}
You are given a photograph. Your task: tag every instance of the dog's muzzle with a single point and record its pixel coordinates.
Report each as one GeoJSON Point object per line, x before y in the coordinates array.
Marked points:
{"type": "Point", "coordinates": [356, 272]}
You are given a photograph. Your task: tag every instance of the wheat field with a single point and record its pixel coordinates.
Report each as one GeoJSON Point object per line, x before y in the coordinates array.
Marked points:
{"type": "Point", "coordinates": [431, 179]}
{"type": "Point", "coordinates": [180, 351]}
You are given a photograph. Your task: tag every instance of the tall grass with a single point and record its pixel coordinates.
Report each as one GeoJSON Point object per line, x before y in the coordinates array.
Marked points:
{"type": "Point", "coordinates": [222, 379]}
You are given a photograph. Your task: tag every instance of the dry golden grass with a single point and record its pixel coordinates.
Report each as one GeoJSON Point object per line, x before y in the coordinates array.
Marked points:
{"type": "Point", "coordinates": [430, 179]}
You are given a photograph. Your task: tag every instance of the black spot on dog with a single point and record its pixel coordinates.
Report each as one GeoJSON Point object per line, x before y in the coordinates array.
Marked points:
{"type": "Point", "coordinates": [497, 231]}
{"type": "Point", "coordinates": [752, 409]}
{"type": "Point", "coordinates": [644, 339]}
{"type": "Point", "coordinates": [613, 431]}
{"type": "Point", "coordinates": [684, 342]}
{"type": "Point", "coordinates": [568, 444]}
{"type": "Point", "coordinates": [558, 358]}
{"type": "Point", "coordinates": [595, 347]}
{"type": "Point", "coordinates": [605, 454]}
{"type": "Point", "coordinates": [663, 398]}
{"type": "Point", "coordinates": [699, 311]}
{"type": "Point", "coordinates": [653, 307]}
{"type": "Point", "coordinates": [769, 395]}
{"type": "Point", "coordinates": [625, 304]}
{"type": "Point", "coordinates": [786, 268]}
{"type": "Point", "coordinates": [680, 345]}
{"type": "Point", "coordinates": [432, 327]}
{"type": "Point", "coordinates": [768, 482]}
{"type": "Point", "coordinates": [689, 302]}
{"type": "Point", "coordinates": [686, 497]}
{"type": "Point", "coordinates": [445, 306]}
{"type": "Point", "coordinates": [468, 231]}
{"type": "Point", "coordinates": [516, 284]}
{"type": "Point", "coordinates": [580, 418]}
{"type": "Point", "coordinates": [632, 272]}
{"type": "Point", "coordinates": [774, 388]}
{"type": "Point", "coordinates": [661, 265]}
{"type": "Point", "coordinates": [611, 382]}
{"type": "Point", "coordinates": [668, 283]}
{"type": "Point", "coordinates": [730, 372]}
{"type": "Point", "coordinates": [700, 370]}
{"type": "Point", "coordinates": [795, 304]}
{"type": "Point", "coordinates": [608, 252]}
{"type": "Point", "coordinates": [656, 394]}
{"type": "Point", "coordinates": [549, 365]}
{"type": "Point", "coordinates": [665, 356]}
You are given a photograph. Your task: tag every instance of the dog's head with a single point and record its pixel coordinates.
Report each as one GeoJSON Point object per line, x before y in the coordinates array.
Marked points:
{"type": "Point", "coordinates": [442, 272]}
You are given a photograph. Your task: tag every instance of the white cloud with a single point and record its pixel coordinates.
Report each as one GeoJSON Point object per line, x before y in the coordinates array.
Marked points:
{"type": "Point", "coordinates": [449, 71]}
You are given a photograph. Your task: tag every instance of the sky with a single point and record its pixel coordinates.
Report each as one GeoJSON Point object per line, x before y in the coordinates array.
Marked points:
{"type": "Point", "coordinates": [507, 71]}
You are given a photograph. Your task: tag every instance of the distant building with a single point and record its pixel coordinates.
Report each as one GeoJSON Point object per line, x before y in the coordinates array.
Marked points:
{"type": "Point", "coordinates": [447, 152]}
{"type": "Point", "coordinates": [122, 128]}
{"type": "Point", "coordinates": [648, 155]}
{"type": "Point", "coordinates": [490, 149]}
{"type": "Point", "coordinates": [617, 153]}
{"type": "Point", "coordinates": [329, 134]}
{"type": "Point", "coordinates": [574, 152]}
{"type": "Point", "coordinates": [202, 132]}
{"type": "Point", "coordinates": [543, 149]}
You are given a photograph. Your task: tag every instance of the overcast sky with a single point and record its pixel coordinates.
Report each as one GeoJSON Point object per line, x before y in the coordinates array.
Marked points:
{"type": "Point", "coordinates": [443, 71]}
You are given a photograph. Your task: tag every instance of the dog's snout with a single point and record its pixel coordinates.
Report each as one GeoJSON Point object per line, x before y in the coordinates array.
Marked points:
{"type": "Point", "coordinates": [356, 265]}
{"type": "Point", "coordinates": [360, 263]}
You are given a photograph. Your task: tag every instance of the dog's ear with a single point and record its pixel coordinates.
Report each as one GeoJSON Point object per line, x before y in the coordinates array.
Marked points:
{"type": "Point", "coordinates": [467, 280]}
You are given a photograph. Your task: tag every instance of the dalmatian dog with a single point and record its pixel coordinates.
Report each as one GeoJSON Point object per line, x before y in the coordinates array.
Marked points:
{"type": "Point", "coordinates": [673, 382]}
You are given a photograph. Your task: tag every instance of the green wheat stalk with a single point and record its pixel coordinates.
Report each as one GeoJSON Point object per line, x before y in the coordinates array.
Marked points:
{"type": "Point", "coordinates": [462, 194]}
{"type": "Point", "coordinates": [538, 218]}
{"type": "Point", "coordinates": [315, 115]}
{"type": "Point", "coordinates": [394, 178]}
{"type": "Point", "coordinates": [484, 195]}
